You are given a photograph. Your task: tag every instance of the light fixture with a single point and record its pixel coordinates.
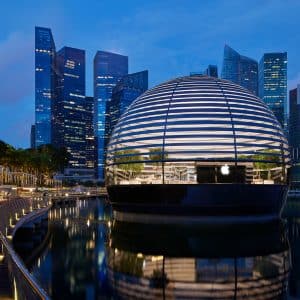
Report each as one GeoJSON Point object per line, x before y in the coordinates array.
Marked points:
{"type": "Point", "coordinates": [225, 170]}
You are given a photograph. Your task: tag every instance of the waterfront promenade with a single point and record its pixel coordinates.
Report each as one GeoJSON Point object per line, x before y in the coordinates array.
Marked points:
{"type": "Point", "coordinates": [15, 280]}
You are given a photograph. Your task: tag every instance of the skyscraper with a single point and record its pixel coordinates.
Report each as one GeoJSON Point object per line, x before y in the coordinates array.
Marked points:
{"type": "Point", "coordinates": [32, 137]}
{"type": "Point", "coordinates": [109, 68]}
{"type": "Point", "coordinates": [124, 93]}
{"type": "Point", "coordinates": [273, 84]}
{"type": "Point", "coordinates": [240, 69]}
{"type": "Point", "coordinates": [89, 134]}
{"type": "Point", "coordinates": [44, 84]}
{"type": "Point", "coordinates": [294, 135]}
{"type": "Point", "coordinates": [294, 120]}
{"type": "Point", "coordinates": [68, 113]}
{"type": "Point", "coordinates": [212, 70]}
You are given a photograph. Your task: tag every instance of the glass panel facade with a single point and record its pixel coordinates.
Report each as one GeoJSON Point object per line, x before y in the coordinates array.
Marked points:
{"type": "Point", "coordinates": [69, 109]}
{"type": "Point", "coordinates": [127, 89]}
{"type": "Point", "coordinates": [240, 69]}
{"type": "Point", "coordinates": [44, 84]}
{"type": "Point", "coordinates": [109, 68]}
{"type": "Point", "coordinates": [197, 129]}
{"type": "Point", "coordinates": [89, 133]}
{"type": "Point", "coordinates": [212, 70]}
{"type": "Point", "coordinates": [294, 135]}
{"type": "Point", "coordinates": [273, 84]}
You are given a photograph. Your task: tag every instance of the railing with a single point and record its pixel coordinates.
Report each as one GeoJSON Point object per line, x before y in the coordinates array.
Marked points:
{"type": "Point", "coordinates": [86, 192]}
{"type": "Point", "coordinates": [12, 212]}
{"type": "Point", "coordinates": [25, 285]}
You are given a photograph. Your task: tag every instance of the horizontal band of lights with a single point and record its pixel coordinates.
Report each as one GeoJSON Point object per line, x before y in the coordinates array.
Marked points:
{"type": "Point", "coordinates": [197, 118]}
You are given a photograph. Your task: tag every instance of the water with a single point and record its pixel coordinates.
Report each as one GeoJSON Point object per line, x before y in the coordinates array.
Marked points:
{"type": "Point", "coordinates": [87, 256]}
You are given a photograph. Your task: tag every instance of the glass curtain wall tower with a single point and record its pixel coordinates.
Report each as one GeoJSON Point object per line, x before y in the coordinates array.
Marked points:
{"type": "Point", "coordinates": [124, 93]}
{"type": "Point", "coordinates": [32, 137]}
{"type": "Point", "coordinates": [294, 123]}
{"type": "Point", "coordinates": [212, 70]}
{"type": "Point", "coordinates": [89, 134]}
{"type": "Point", "coordinates": [240, 69]}
{"type": "Point", "coordinates": [44, 84]}
{"type": "Point", "coordinates": [294, 135]}
{"type": "Point", "coordinates": [69, 125]}
{"type": "Point", "coordinates": [109, 68]}
{"type": "Point", "coordinates": [273, 84]}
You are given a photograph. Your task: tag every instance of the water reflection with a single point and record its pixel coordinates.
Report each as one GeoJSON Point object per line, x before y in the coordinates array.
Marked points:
{"type": "Point", "coordinates": [89, 256]}
{"type": "Point", "coordinates": [207, 262]}
{"type": "Point", "coordinates": [73, 264]}
{"type": "Point", "coordinates": [293, 229]}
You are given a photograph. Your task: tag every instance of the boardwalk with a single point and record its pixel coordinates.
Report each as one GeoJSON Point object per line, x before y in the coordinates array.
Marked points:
{"type": "Point", "coordinates": [13, 213]}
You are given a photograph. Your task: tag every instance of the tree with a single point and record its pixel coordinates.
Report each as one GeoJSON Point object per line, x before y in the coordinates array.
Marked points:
{"type": "Point", "coordinates": [157, 155]}
{"type": "Point", "coordinates": [43, 161]}
{"type": "Point", "coordinates": [129, 160]}
{"type": "Point", "coordinates": [265, 160]}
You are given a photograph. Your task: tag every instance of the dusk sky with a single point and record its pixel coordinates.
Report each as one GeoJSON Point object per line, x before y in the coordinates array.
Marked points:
{"type": "Point", "coordinates": [169, 38]}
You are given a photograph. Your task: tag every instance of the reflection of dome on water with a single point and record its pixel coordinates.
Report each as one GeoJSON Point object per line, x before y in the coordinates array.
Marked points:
{"type": "Point", "coordinates": [197, 130]}
{"type": "Point", "coordinates": [143, 269]}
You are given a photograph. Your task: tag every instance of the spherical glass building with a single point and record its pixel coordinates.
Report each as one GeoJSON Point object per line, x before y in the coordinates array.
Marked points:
{"type": "Point", "coordinates": [197, 145]}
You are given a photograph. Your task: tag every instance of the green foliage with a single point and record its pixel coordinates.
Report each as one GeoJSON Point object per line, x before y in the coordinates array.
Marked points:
{"type": "Point", "coordinates": [43, 161]}
{"type": "Point", "coordinates": [157, 155]}
{"type": "Point", "coordinates": [130, 264]}
{"type": "Point", "coordinates": [270, 159]}
{"type": "Point", "coordinates": [129, 160]}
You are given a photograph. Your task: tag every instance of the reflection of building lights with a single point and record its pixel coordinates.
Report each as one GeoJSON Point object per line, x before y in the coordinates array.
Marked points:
{"type": "Point", "coordinates": [140, 255]}
{"type": "Point", "coordinates": [157, 258]}
{"type": "Point", "coordinates": [225, 170]}
{"type": "Point", "coordinates": [88, 223]}
{"type": "Point", "coordinates": [90, 245]}
{"type": "Point", "coordinates": [109, 224]}
{"type": "Point", "coordinates": [101, 257]}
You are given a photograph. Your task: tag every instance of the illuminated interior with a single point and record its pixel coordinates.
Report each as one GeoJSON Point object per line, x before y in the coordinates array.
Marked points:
{"type": "Point", "coordinates": [194, 130]}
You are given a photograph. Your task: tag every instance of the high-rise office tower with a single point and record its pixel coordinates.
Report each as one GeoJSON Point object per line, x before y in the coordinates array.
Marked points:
{"type": "Point", "coordinates": [44, 84]}
{"type": "Point", "coordinates": [240, 69]}
{"type": "Point", "coordinates": [109, 68]}
{"type": "Point", "coordinates": [32, 137]}
{"type": "Point", "coordinates": [273, 84]}
{"type": "Point", "coordinates": [124, 93]}
{"type": "Point", "coordinates": [294, 119]}
{"type": "Point", "coordinates": [212, 70]}
{"type": "Point", "coordinates": [89, 134]}
{"type": "Point", "coordinates": [294, 135]}
{"type": "Point", "coordinates": [69, 109]}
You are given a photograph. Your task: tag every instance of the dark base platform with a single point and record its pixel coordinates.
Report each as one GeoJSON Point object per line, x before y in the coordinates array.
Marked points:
{"type": "Point", "coordinates": [170, 203]}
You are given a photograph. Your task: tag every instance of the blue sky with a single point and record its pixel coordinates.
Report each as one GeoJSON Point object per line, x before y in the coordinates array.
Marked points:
{"type": "Point", "coordinates": [169, 38]}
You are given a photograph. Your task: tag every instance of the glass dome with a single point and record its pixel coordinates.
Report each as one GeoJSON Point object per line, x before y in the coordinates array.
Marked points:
{"type": "Point", "coordinates": [194, 130]}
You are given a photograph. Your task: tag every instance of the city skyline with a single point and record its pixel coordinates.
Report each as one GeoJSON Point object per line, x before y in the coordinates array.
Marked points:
{"type": "Point", "coordinates": [240, 69]}
{"type": "Point", "coordinates": [146, 34]}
